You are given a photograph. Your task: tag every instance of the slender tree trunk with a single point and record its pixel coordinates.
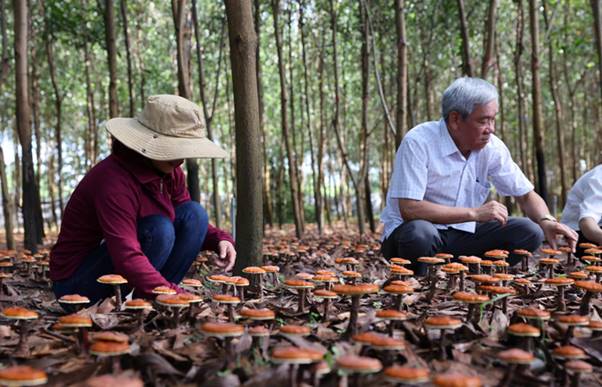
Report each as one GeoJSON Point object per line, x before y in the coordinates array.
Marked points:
{"type": "Point", "coordinates": [31, 193]}
{"type": "Point", "coordinates": [292, 169]}
{"type": "Point", "coordinates": [35, 107]}
{"type": "Point", "coordinates": [109, 15]}
{"type": "Point", "coordinates": [126, 37]}
{"type": "Point", "coordinates": [538, 125]}
{"type": "Point", "coordinates": [324, 208]}
{"type": "Point", "coordinates": [267, 192]}
{"type": "Point", "coordinates": [243, 45]}
{"type": "Point", "coordinates": [402, 71]}
{"type": "Point", "coordinates": [6, 199]}
{"type": "Point", "coordinates": [90, 108]}
{"type": "Point", "coordinates": [6, 212]}
{"type": "Point", "coordinates": [306, 98]}
{"type": "Point", "coordinates": [364, 178]}
{"type": "Point", "coordinates": [558, 113]}
{"type": "Point", "coordinates": [466, 62]}
{"type": "Point", "coordinates": [208, 114]}
{"type": "Point", "coordinates": [140, 41]}
{"type": "Point", "coordinates": [58, 108]}
{"type": "Point", "coordinates": [598, 43]}
{"type": "Point", "coordinates": [179, 13]}
{"type": "Point", "coordinates": [488, 54]}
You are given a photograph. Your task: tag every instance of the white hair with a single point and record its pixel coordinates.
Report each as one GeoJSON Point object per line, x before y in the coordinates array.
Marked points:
{"type": "Point", "coordinates": [464, 93]}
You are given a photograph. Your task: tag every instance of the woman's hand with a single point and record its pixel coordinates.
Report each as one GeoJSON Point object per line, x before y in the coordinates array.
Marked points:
{"type": "Point", "coordinates": [226, 256]}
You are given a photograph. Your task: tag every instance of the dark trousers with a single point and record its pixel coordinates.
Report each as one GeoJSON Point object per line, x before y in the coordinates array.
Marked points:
{"type": "Point", "coordinates": [170, 248]}
{"type": "Point", "coordinates": [420, 238]}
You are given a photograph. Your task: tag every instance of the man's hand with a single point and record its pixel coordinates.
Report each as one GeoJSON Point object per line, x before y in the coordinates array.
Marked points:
{"type": "Point", "coordinates": [491, 211]}
{"type": "Point", "coordinates": [227, 256]}
{"type": "Point", "coordinates": [551, 230]}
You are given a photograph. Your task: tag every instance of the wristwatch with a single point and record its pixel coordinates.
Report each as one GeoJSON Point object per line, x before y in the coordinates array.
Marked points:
{"type": "Point", "coordinates": [548, 217]}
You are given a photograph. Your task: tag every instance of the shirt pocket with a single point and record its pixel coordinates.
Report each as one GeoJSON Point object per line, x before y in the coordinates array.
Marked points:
{"type": "Point", "coordinates": [481, 192]}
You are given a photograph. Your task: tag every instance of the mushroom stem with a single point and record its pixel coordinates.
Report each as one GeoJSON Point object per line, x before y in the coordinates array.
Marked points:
{"type": "Point", "coordinates": [260, 286]}
{"type": "Point", "coordinates": [355, 304]}
{"type": "Point", "coordinates": [116, 364]}
{"type": "Point", "coordinates": [326, 307]}
{"type": "Point", "coordinates": [293, 375]}
{"type": "Point", "coordinates": [561, 302]}
{"type": "Point", "coordinates": [432, 289]}
{"type": "Point", "coordinates": [442, 345]}
{"type": "Point", "coordinates": [525, 264]}
{"type": "Point", "coordinates": [301, 301]}
{"type": "Point", "coordinates": [231, 313]}
{"type": "Point", "coordinates": [83, 340]}
{"type": "Point", "coordinates": [399, 302]}
{"type": "Point", "coordinates": [22, 346]}
{"type": "Point", "coordinates": [551, 271]}
{"type": "Point", "coordinates": [462, 281]}
{"type": "Point", "coordinates": [568, 334]}
{"type": "Point", "coordinates": [118, 296]}
{"type": "Point", "coordinates": [584, 307]}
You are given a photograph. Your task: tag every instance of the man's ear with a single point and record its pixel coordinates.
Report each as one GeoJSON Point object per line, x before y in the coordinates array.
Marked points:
{"type": "Point", "coordinates": [453, 118]}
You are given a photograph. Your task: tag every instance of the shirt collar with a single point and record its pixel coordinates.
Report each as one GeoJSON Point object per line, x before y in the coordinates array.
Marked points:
{"type": "Point", "coordinates": [448, 146]}
{"type": "Point", "coordinates": [136, 164]}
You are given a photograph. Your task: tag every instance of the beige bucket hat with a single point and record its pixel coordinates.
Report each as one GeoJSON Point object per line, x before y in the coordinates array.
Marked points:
{"type": "Point", "coordinates": [169, 128]}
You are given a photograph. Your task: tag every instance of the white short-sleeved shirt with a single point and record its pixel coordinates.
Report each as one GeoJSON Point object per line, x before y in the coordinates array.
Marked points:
{"type": "Point", "coordinates": [429, 166]}
{"type": "Point", "coordinates": [584, 199]}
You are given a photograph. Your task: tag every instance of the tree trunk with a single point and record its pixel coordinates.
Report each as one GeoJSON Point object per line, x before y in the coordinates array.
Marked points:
{"type": "Point", "coordinates": [109, 16]}
{"type": "Point", "coordinates": [324, 208]}
{"type": "Point", "coordinates": [466, 62]}
{"type": "Point", "coordinates": [90, 109]}
{"type": "Point", "coordinates": [598, 42]}
{"type": "Point", "coordinates": [402, 72]}
{"type": "Point", "coordinates": [6, 210]}
{"type": "Point", "coordinates": [306, 98]}
{"type": "Point", "coordinates": [490, 39]}
{"type": "Point", "coordinates": [58, 108]}
{"type": "Point", "coordinates": [558, 113]}
{"type": "Point", "coordinates": [538, 125]}
{"type": "Point", "coordinates": [126, 38]}
{"type": "Point", "coordinates": [243, 46]}
{"type": "Point", "coordinates": [208, 114]}
{"type": "Point", "coordinates": [267, 192]}
{"type": "Point", "coordinates": [31, 194]}
{"type": "Point", "coordinates": [293, 126]}
{"type": "Point", "coordinates": [178, 8]}
{"type": "Point", "coordinates": [292, 169]}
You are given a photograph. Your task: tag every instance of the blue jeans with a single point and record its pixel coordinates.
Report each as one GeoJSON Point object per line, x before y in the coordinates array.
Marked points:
{"type": "Point", "coordinates": [170, 248]}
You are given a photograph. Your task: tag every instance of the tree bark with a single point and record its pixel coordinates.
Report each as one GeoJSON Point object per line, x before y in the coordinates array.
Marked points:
{"type": "Point", "coordinates": [538, 125]}
{"type": "Point", "coordinates": [178, 8]}
{"type": "Point", "coordinates": [128, 55]}
{"type": "Point", "coordinates": [92, 137]}
{"type": "Point", "coordinates": [292, 169]}
{"type": "Point", "coordinates": [402, 72]}
{"type": "Point", "coordinates": [306, 98]}
{"type": "Point", "coordinates": [490, 39]}
{"type": "Point", "coordinates": [466, 62]}
{"type": "Point", "coordinates": [58, 109]}
{"type": "Point", "coordinates": [109, 15]}
{"type": "Point", "coordinates": [598, 43]}
{"type": "Point", "coordinates": [558, 112]}
{"type": "Point", "coordinates": [6, 200]}
{"type": "Point", "coordinates": [243, 46]}
{"type": "Point", "coordinates": [208, 114]}
{"type": "Point", "coordinates": [31, 194]}
{"type": "Point", "coordinates": [267, 192]}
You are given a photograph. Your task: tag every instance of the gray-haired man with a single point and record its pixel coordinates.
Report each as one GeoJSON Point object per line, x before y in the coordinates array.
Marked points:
{"type": "Point", "coordinates": [442, 177]}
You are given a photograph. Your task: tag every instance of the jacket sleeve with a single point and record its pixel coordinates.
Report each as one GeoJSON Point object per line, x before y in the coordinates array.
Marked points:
{"type": "Point", "coordinates": [117, 211]}
{"type": "Point", "coordinates": [214, 236]}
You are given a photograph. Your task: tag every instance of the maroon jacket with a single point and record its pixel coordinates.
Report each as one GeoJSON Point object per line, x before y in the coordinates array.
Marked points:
{"type": "Point", "coordinates": [107, 204]}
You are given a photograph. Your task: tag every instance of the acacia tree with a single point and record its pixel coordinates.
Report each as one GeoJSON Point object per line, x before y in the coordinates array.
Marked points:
{"type": "Point", "coordinates": [4, 68]}
{"type": "Point", "coordinates": [243, 43]}
{"type": "Point", "coordinates": [128, 55]}
{"type": "Point", "coordinates": [598, 42]}
{"type": "Point", "coordinates": [466, 61]}
{"type": "Point", "coordinates": [402, 72]}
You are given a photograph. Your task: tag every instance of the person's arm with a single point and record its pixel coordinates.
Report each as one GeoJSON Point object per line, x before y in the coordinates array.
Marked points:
{"type": "Point", "coordinates": [536, 209]}
{"type": "Point", "coordinates": [440, 214]}
{"type": "Point", "coordinates": [591, 230]}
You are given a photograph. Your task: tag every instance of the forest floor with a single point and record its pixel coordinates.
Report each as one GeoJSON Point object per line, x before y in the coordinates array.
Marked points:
{"type": "Point", "coordinates": [164, 351]}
